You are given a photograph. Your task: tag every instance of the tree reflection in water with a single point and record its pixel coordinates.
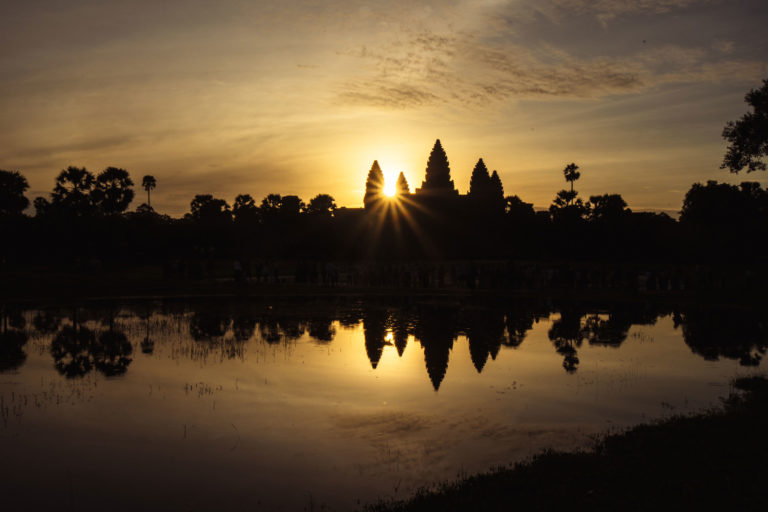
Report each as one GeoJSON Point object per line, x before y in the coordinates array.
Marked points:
{"type": "Point", "coordinates": [71, 351]}
{"type": "Point", "coordinates": [12, 339]}
{"type": "Point", "coordinates": [226, 328]}
{"type": "Point", "coordinates": [728, 333]}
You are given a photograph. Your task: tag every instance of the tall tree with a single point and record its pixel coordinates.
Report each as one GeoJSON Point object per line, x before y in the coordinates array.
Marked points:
{"type": "Point", "coordinates": [748, 137]}
{"type": "Point", "coordinates": [401, 187]}
{"type": "Point", "coordinates": [322, 204]}
{"type": "Point", "coordinates": [149, 183]}
{"type": "Point", "coordinates": [608, 208]}
{"type": "Point", "coordinates": [12, 188]}
{"type": "Point", "coordinates": [571, 174]}
{"type": "Point", "coordinates": [206, 208]}
{"type": "Point", "coordinates": [291, 206]}
{"type": "Point", "coordinates": [438, 173]}
{"type": "Point", "coordinates": [72, 193]}
{"type": "Point", "coordinates": [245, 209]}
{"type": "Point", "coordinates": [374, 185]}
{"type": "Point", "coordinates": [270, 205]}
{"type": "Point", "coordinates": [42, 206]}
{"type": "Point", "coordinates": [113, 191]}
{"type": "Point", "coordinates": [479, 183]}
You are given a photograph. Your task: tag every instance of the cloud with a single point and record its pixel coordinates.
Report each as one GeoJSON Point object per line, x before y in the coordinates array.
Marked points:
{"type": "Point", "coordinates": [471, 69]}
{"type": "Point", "coordinates": [607, 10]}
{"type": "Point", "coordinates": [387, 95]}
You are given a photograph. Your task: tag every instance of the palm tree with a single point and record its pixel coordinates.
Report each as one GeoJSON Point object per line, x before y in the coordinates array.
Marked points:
{"type": "Point", "coordinates": [571, 174]}
{"type": "Point", "coordinates": [149, 183]}
{"type": "Point", "coordinates": [73, 190]}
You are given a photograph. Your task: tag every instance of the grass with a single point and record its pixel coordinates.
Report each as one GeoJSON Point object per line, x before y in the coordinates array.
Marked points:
{"type": "Point", "coordinates": [715, 460]}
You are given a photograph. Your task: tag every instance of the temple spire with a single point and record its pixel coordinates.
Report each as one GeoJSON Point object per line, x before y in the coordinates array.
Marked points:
{"type": "Point", "coordinates": [438, 174]}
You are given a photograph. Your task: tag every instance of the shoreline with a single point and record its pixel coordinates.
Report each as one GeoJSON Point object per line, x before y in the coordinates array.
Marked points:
{"type": "Point", "coordinates": [711, 460]}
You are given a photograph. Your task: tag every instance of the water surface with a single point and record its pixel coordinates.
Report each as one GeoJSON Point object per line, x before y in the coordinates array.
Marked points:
{"type": "Point", "coordinates": [251, 405]}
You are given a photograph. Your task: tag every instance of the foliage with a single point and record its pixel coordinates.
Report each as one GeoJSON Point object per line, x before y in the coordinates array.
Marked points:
{"type": "Point", "coordinates": [518, 209]}
{"type": "Point", "coordinates": [291, 206]}
{"type": "Point", "coordinates": [206, 208]}
{"type": "Point", "coordinates": [112, 193]}
{"type": "Point", "coordinates": [321, 204]}
{"type": "Point", "coordinates": [608, 208]}
{"type": "Point", "coordinates": [148, 183]}
{"type": "Point", "coordinates": [748, 137]}
{"type": "Point", "coordinates": [72, 193]}
{"type": "Point", "coordinates": [12, 188]}
{"type": "Point", "coordinates": [245, 210]}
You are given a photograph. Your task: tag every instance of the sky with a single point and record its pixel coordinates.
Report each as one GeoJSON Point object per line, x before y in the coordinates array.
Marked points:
{"type": "Point", "coordinates": [229, 97]}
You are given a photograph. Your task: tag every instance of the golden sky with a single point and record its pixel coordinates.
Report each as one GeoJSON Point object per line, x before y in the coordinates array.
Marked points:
{"type": "Point", "coordinates": [230, 96]}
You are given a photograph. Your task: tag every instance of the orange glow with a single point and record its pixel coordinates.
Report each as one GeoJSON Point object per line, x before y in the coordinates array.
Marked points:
{"type": "Point", "coordinates": [389, 188]}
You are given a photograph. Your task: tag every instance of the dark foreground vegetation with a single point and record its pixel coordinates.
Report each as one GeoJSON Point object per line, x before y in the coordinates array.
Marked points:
{"type": "Point", "coordinates": [711, 461]}
{"type": "Point", "coordinates": [431, 237]}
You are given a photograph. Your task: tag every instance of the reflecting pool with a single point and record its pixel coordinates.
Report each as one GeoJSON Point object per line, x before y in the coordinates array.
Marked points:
{"type": "Point", "coordinates": [224, 404]}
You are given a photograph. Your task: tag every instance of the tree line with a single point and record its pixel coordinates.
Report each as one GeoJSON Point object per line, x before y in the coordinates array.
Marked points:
{"type": "Point", "coordinates": [85, 217]}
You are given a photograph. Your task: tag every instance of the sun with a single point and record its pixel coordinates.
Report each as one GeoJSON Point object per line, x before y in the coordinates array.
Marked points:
{"type": "Point", "coordinates": [389, 189]}
{"type": "Point", "coordinates": [390, 184]}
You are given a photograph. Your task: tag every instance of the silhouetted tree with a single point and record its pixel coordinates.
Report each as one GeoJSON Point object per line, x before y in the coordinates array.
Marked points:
{"type": "Point", "coordinates": [112, 193]}
{"type": "Point", "coordinates": [321, 204]}
{"type": "Point", "coordinates": [245, 210]}
{"type": "Point", "coordinates": [748, 137]}
{"type": "Point", "coordinates": [566, 205]}
{"type": "Point", "coordinates": [42, 206]}
{"type": "Point", "coordinates": [72, 193]}
{"type": "Point", "coordinates": [291, 206]}
{"type": "Point", "coordinates": [571, 174]}
{"type": "Point", "coordinates": [12, 188]}
{"type": "Point", "coordinates": [401, 187]}
{"type": "Point", "coordinates": [206, 208]}
{"type": "Point", "coordinates": [149, 183]}
{"type": "Point", "coordinates": [438, 172]}
{"type": "Point", "coordinates": [608, 208]}
{"type": "Point", "coordinates": [374, 185]}
{"type": "Point", "coordinates": [518, 210]}
{"type": "Point", "coordinates": [270, 205]}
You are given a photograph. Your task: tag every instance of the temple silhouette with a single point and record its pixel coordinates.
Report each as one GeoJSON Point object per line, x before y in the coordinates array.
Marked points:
{"type": "Point", "coordinates": [485, 189]}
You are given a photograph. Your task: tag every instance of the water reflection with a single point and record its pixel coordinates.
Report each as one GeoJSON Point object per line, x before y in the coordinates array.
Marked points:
{"type": "Point", "coordinates": [95, 338]}
{"type": "Point", "coordinates": [370, 392]}
{"type": "Point", "coordinates": [731, 334]}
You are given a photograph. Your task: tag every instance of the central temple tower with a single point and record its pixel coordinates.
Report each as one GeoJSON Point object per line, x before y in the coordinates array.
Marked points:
{"type": "Point", "coordinates": [437, 181]}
